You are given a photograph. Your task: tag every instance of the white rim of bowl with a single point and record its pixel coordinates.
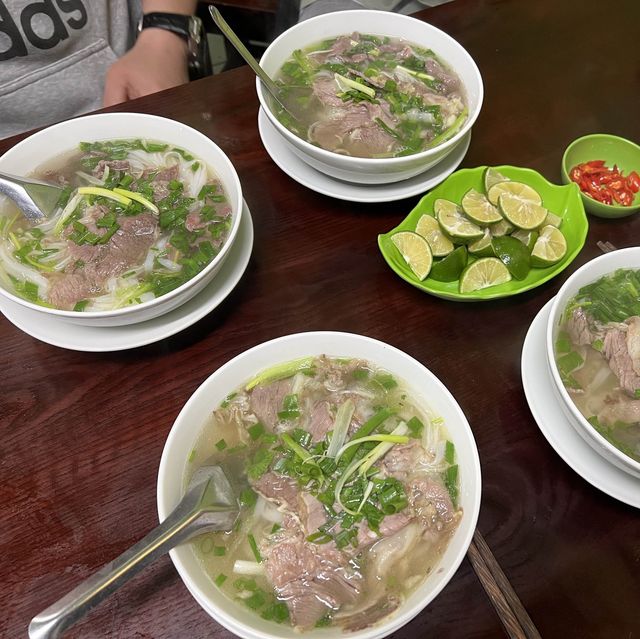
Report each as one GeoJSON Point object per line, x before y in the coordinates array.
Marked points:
{"type": "Point", "coordinates": [475, 490]}
{"type": "Point", "coordinates": [471, 118]}
{"type": "Point", "coordinates": [554, 314]}
{"type": "Point", "coordinates": [236, 207]}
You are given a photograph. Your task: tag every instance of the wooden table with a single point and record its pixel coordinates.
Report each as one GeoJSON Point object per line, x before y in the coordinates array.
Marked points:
{"type": "Point", "coordinates": [82, 433]}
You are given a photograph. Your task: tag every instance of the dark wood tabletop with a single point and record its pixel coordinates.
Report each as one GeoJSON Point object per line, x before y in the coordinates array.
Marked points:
{"type": "Point", "coordinates": [82, 433]}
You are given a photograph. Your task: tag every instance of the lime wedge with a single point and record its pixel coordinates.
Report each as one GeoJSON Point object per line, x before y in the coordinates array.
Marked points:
{"type": "Point", "coordinates": [491, 177]}
{"type": "Point", "coordinates": [550, 247]}
{"type": "Point", "coordinates": [514, 255]}
{"type": "Point", "coordinates": [429, 228]}
{"type": "Point", "coordinates": [521, 213]}
{"type": "Point", "coordinates": [501, 228]}
{"type": "Point", "coordinates": [485, 272]}
{"type": "Point", "coordinates": [553, 219]}
{"type": "Point", "coordinates": [479, 209]}
{"type": "Point", "coordinates": [454, 223]}
{"type": "Point", "coordinates": [448, 269]}
{"type": "Point", "coordinates": [482, 247]}
{"type": "Point", "coordinates": [523, 191]}
{"type": "Point", "coordinates": [528, 238]}
{"type": "Point", "coordinates": [415, 252]}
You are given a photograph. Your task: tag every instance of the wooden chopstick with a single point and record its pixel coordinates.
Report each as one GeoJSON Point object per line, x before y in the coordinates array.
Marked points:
{"type": "Point", "coordinates": [507, 604]}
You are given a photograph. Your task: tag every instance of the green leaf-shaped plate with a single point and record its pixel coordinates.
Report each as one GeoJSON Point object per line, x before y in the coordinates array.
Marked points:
{"type": "Point", "coordinates": [564, 201]}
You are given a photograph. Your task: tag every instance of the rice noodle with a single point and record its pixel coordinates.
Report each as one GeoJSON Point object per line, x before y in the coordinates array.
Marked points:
{"type": "Point", "coordinates": [21, 271]}
{"type": "Point", "coordinates": [266, 510]}
{"type": "Point", "coordinates": [92, 179]}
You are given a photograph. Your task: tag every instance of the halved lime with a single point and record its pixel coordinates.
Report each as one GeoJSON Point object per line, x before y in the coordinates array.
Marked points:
{"type": "Point", "coordinates": [429, 228]}
{"type": "Point", "coordinates": [454, 223]}
{"type": "Point", "coordinates": [491, 177]}
{"type": "Point", "coordinates": [528, 238]}
{"type": "Point", "coordinates": [521, 213]}
{"type": "Point", "coordinates": [485, 272]}
{"type": "Point", "coordinates": [522, 190]}
{"type": "Point", "coordinates": [479, 209]}
{"type": "Point", "coordinates": [415, 252]}
{"type": "Point", "coordinates": [553, 219]}
{"type": "Point", "coordinates": [448, 269]}
{"type": "Point", "coordinates": [550, 247]}
{"type": "Point", "coordinates": [514, 255]}
{"type": "Point", "coordinates": [482, 247]}
{"type": "Point", "coordinates": [501, 228]}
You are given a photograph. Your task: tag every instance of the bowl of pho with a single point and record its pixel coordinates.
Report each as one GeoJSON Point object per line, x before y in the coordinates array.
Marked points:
{"type": "Point", "coordinates": [593, 350]}
{"type": "Point", "coordinates": [372, 97]}
{"type": "Point", "coordinates": [358, 479]}
{"type": "Point", "coordinates": [148, 211]}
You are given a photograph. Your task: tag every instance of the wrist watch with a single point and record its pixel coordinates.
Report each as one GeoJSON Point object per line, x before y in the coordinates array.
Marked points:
{"type": "Point", "coordinates": [190, 29]}
{"type": "Point", "coordinates": [185, 26]}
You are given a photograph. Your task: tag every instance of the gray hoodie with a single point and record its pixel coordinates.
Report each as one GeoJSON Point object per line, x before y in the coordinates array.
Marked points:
{"type": "Point", "coordinates": [54, 55]}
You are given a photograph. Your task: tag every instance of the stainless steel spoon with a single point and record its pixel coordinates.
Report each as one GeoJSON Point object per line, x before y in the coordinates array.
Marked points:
{"type": "Point", "coordinates": [209, 504]}
{"type": "Point", "coordinates": [268, 83]}
{"type": "Point", "coordinates": [36, 199]}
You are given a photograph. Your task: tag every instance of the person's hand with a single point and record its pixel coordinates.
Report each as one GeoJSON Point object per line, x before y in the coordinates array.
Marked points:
{"type": "Point", "coordinates": [157, 61]}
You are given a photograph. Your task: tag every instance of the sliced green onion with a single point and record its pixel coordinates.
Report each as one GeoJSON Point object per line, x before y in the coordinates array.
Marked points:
{"type": "Point", "coordinates": [256, 431]}
{"type": "Point", "coordinates": [248, 498]}
{"type": "Point", "coordinates": [394, 439]}
{"type": "Point", "coordinates": [254, 548]}
{"type": "Point", "coordinates": [341, 427]}
{"type": "Point", "coordinates": [220, 579]}
{"type": "Point", "coordinates": [358, 86]}
{"type": "Point", "coordinates": [449, 452]}
{"type": "Point", "coordinates": [108, 193]}
{"type": "Point", "coordinates": [301, 452]}
{"type": "Point", "coordinates": [257, 600]}
{"type": "Point", "coordinates": [366, 429]}
{"type": "Point", "coordinates": [381, 449]}
{"type": "Point", "coordinates": [450, 132]}
{"type": "Point", "coordinates": [319, 537]}
{"type": "Point", "coordinates": [367, 493]}
{"type": "Point", "coordinates": [281, 371]}
{"type": "Point", "coordinates": [138, 198]}
{"type": "Point", "coordinates": [417, 74]}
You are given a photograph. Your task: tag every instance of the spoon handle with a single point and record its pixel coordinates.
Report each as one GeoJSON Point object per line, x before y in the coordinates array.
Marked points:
{"type": "Point", "coordinates": [243, 51]}
{"type": "Point", "coordinates": [56, 618]}
{"type": "Point", "coordinates": [192, 515]}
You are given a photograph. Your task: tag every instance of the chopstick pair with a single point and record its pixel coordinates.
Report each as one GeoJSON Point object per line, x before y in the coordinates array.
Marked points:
{"type": "Point", "coordinates": [512, 613]}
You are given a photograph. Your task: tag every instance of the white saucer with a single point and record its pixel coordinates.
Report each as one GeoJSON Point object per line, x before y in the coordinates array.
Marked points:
{"type": "Point", "coordinates": [555, 427]}
{"type": "Point", "coordinates": [301, 172]}
{"type": "Point", "coordinates": [103, 339]}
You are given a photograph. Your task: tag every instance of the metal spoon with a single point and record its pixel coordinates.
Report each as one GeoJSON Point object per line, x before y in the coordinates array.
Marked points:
{"type": "Point", "coordinates": [209, 504]}
{"type": "Point", "coordinates": [268, 83]}
{"type": "Point", "coordinates": [36, 199]}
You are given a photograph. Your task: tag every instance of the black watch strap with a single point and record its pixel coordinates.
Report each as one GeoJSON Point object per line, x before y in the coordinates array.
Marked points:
{"type": "Point", "coordinates": [174, 22]}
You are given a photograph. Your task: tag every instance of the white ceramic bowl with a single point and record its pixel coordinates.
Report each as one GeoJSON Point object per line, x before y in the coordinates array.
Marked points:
{"type": "Point", "coordinates": [589, 272]}
{"type": "Point", "coordinates": [45, 145]}
{"type": "Point", "coordinates": [421, 383]}
{"type": "Point", "coordinates": [372, 170]}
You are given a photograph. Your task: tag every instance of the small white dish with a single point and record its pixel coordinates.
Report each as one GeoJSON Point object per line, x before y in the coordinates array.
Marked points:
{"type": "Point", "coordinates": [96, 339]}
{"type": "Point", "coordinates": [555, 426]}
{"type": "Point", "coordinates": [301, 172]}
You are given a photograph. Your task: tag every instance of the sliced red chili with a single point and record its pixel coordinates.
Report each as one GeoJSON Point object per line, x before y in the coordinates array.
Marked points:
{"type": "Point", "coordinates": [605, 184]}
